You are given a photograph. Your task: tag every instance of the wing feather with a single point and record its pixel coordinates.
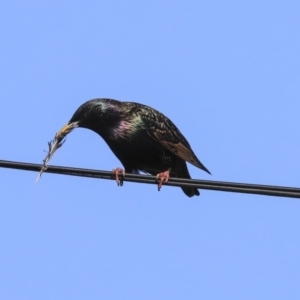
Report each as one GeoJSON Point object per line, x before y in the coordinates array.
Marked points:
{"type": "Point", "coordinates": [164, 131]}
{"type": "Point", "coordinates": [178, 146]}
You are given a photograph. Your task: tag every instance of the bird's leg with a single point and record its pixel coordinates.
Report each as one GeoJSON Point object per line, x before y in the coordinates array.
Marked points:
{"type": "Point", "coordinates": [116, 173]}
{"type": "Point", "coordinates": [162, 177]}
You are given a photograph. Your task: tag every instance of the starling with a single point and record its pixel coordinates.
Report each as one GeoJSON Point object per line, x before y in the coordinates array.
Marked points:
{"type": "Point", "coordinates": [142, 138]}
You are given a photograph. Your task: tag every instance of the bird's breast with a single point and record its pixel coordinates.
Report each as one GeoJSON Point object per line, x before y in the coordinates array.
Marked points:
{"type": "Point", "coordinates": [121, 130]}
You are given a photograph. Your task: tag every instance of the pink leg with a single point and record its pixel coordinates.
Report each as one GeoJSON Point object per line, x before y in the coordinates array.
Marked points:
{"type": "Point", "coordinates": [162, 177]}
{"type": "Point", "coordinates": [116, 173]}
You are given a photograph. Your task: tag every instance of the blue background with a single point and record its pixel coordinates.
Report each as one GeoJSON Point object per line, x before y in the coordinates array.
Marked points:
{"type": "Point", "coordinates": [227, 74]}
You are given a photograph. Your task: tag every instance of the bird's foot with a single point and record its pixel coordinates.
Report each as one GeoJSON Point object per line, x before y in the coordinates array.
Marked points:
{"type": "Point", "coordinates": [162, 177]}
{"type": "Point", "coordinates": [119, 175]}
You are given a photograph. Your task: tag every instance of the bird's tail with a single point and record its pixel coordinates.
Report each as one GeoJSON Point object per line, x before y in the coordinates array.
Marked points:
{"type": "Point", "coordinates": [189, 191]}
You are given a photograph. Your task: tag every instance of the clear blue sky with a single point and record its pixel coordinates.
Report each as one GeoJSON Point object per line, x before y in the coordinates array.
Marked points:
{"type": "Point", "coordinates": [227, 73]}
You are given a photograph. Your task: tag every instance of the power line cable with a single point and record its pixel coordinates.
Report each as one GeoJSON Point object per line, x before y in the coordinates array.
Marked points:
{"type": "Point", "coordinates": [268, 190]}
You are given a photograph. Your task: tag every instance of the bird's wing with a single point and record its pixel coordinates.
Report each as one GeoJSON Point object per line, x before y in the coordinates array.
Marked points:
{"type": "Point", "coordinates": [164, 131]}
{"type": "Point", "coordinates": [175, 146]}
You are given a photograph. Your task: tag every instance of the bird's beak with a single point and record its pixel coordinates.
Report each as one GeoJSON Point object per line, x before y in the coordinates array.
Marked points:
{"type": "Point", "coordinates": [65, 130]}
{"type": "Point", "coordinates": [58, 141]}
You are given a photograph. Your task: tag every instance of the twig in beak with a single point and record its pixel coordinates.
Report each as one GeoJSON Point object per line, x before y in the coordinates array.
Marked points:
{"type": "Point", "coordinates": [55, 144]}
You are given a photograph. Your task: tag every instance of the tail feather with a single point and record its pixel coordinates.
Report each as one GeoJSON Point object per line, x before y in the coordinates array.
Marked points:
{"type": "Point", "coordinates": [183, 172]}
{"type": "Point", "coordinates": [190, 191]}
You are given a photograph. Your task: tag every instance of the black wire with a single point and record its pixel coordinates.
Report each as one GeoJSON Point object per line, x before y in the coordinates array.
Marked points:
{"type": "Point", "coordinates": [268, 190]}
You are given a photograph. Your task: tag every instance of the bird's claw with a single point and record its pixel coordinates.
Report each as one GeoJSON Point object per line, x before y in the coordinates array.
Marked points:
{"type": "Point", "coordinates": [161, 178]}
{"type": "Point", "coordinates": [119, 175]}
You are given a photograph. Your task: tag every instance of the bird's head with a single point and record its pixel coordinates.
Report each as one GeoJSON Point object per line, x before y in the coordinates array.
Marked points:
{"type": "Point", "coordinates": [87, 115]}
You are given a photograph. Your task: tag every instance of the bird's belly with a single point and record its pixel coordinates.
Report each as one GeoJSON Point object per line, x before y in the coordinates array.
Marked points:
{"type": "Point", "coordinates": [153, 163]}
{"type": "Point", "coordinates": [146, 157]}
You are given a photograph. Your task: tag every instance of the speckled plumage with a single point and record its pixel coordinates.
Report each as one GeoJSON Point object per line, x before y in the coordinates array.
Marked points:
{"type": "Point", "coordinates": [142, 138]}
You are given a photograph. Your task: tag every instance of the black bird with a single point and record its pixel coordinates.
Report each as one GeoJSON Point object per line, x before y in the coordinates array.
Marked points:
{"type": "Point", "coordinates": [142, 138]}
